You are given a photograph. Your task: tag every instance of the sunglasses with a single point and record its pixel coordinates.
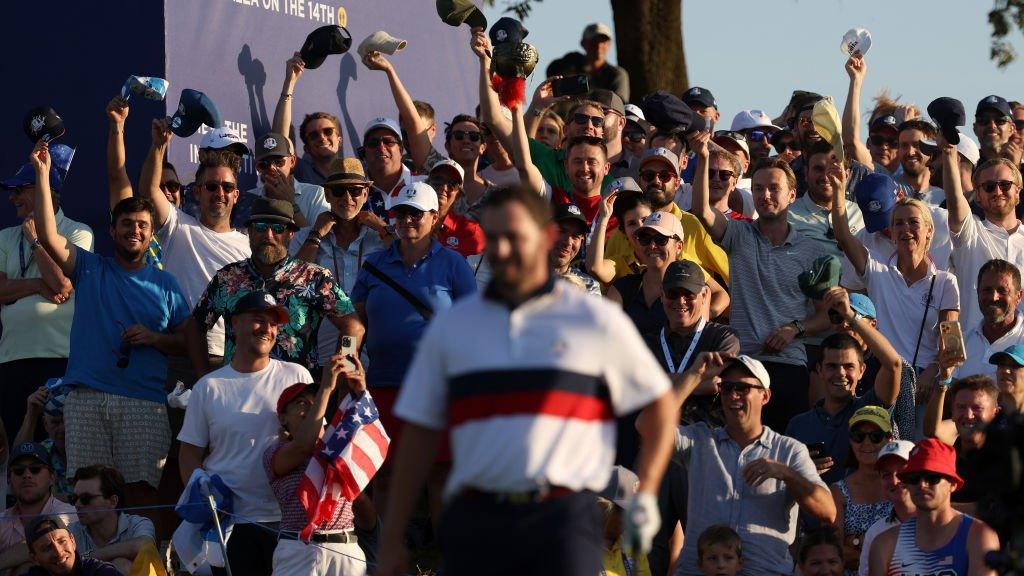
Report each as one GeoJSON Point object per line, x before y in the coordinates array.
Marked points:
{"type": "Point", "coordinates": [326, 132]}
{"type": "Point", "coordinates": [438, 182]}
{"type": "Point", "coordinates": [85, 499]}
{"type": "Point", "coordinates": [353, 191]}
{"type": "Point", "coordinates": [783, 147]}
{"type": "Point", "coordinates": [990, 186]}
{"type": "Point", "coordinates": [387, 141]}
{"type": "Point", "coordinates": [759, 135]}
{"type": "Point", "coordinates": [1018, 124]}
{"type": "Point", "coordinates": [737, 386]}
{"type": "Point", "coordinates": [472, 135]}
{"type": "Point", "coordinates": [876, 436]}
{"type": "Point", "coordinates": [663, 175]}
{"type": "Point", "coordinates": [213, 186]}
{"type": "Point", "coordinates": [266, 163]}
{"type": "Point", "coordinates": [879, 140]}
{"type": "Point", "coordinates": [930, 478]}
{"type": "Point", "coordinates": [33, 468]}
{"type": "Point", "coordinates": [635, 136]}
{"type": "Point", "coordinates": [275, 227]}
{"type": "Point", "coordinates": [999, 120]}
{"type": "Point", "coordinates": [408, 212]}
{"type": "Point", "coordinates": [582, 119]}
{"type": "Point", "coordinates": [645, 239]}
{"type": "Point", "coordinates": [171, 186]}
{"type": "Point", "coordinates": [740, 136]}
{"type": "Point", "coordinates": [723, 175]}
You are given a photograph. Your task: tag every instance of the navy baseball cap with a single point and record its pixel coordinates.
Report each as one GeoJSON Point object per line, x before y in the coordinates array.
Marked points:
{"type": "Point", "coordinates": [41, 526]}
{"type": "Point", "coordinates": [261, 302]}
{"type": "Point", "coordinates": [194, 110]}
{"type": "Point", "coordinates": [887, 122]}
{"type": "Point", "coordinates": [997, 103]}
{"type": "Point", "coordinates": [60, 162]}
{"type": "Point", "coordinates": [948, 113]}
{"type": "Point", "coordinates": [698, 96]}
{"type": "Point", "coordinates": [876, 197]}
{"type": "Point", "coordinates": [670, 114]}
{"type": "Point", "coordinates": [30, 450]}
{"type": "Point", "coordinates": [322, 42]}
{"type": "Point", "coordinates": [862, 305]}
{"type": "Point", "coordinates": [1014, 354]}
{"type": "Point", "coordinates": [43, 123]}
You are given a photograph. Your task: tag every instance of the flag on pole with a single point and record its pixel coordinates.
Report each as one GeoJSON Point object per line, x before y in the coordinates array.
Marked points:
{"type": "Point", "coordinates": [347, 456]}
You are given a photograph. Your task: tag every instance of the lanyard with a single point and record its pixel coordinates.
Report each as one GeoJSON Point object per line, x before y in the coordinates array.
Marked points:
{"type": "Point", "coordinates": [627, 563]}
{"type": "Point", "coordinates": [23, 263]}
{"type": "Point", "coordinates": [689, 351]}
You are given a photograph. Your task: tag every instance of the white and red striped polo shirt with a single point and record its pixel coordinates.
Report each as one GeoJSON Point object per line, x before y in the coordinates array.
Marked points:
{"type": "Point", "coordinates": [531, 392]}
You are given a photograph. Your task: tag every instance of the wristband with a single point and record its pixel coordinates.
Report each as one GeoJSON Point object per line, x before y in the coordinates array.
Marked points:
{"type": "Point", "coordinates": [945, 384]}
{"type": "Point", "coordinates": [285, 96]}
{"type": "Point", "coordinates": [313, 239]}
{"type": "Point", "coordinates": [36, 244]}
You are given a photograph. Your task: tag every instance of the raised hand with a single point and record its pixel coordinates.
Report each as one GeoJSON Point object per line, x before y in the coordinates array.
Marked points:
{"type": "Point", "coordinates": [161, 131]}
{"type": "Point", "coordinates": [117, 110]}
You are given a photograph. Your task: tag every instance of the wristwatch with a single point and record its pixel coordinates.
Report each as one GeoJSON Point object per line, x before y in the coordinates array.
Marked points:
{"type": "Point", "coordinates": [799, 328]}
{"type": "Point", "coordinates": [36, 244]}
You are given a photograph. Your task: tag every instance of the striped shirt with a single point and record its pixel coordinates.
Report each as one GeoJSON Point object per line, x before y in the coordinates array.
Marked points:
{"type": "Point", "coordinates": [530, 392]}
{"type": "Point", "coordinates": [950, 559]}
{"type": "Point", "coordinates": [293, 515]}
{"type": "Point", "coordinates": [765, 292]}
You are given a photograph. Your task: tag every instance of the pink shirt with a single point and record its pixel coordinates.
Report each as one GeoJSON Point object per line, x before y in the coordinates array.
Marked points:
{"type": "Point", "coordinates": [12, 531]}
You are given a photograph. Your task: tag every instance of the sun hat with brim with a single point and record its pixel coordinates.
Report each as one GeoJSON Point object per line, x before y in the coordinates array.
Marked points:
{"type": "Point", "coordinates": [292, 392]}
{"type": "Point", "coordinates": [274, 211]}
{"type": "Point", "coordinates": [347, 172]}
{"type": "Point", "coordinates": [895, 449]}
{"type": "Point", "coordinates": [933, 455]}
{"type": "Point", "coordinates": [1014, 354]}
{"type": "Point", "coordinates": [873, 415]}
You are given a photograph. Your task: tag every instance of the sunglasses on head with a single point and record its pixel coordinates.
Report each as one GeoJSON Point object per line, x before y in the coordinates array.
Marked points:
{"type": "Point", "coordinates": [387, 141]}
{"type": "Point", "coordinates": [266, 163]}
{"type": "Point", "coordinates": [213, 186]}
{"type": "Point", "coordinates": [878, 140]}
{"type": "Point", "coordinates": [33, 468]}
{"type": "Point", "coordinates": [408, 212]}
{"type": "Point", "coordinates": [645, 238]}
{"type": "Point", "coordinates": [275, 227]}
{"type": "Point", "coordinates": [723, 175]}
{"type": "Point", "coordinates": [582, 119]}
{"type": "Point", "coordinates": [930, 478]}
{"type": "Point", "coordinates": [876, 436]}
{"type": "Point", "coordinates": [990, 186]}
{"type": "Point", "coordinates": [353, 191]}
{"type": "Point", "coordinates": [85, 499]}
{"type": "Point", "coordinates": [472, 135]}
{"type": "Point", "coordinates": [738, 386]}
{"type": "Point", "coordinates": [171, 186]}
{"type": "Point", "coordinates": [663, 175]}
{"type": "Point", "coordinates": [635, 136]}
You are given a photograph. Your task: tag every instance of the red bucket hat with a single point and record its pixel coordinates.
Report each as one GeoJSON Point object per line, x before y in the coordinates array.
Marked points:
{"type": "Point", "coordinates": [932, 455]}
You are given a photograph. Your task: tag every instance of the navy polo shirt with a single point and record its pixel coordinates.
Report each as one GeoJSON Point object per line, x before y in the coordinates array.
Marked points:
{"type": "Point", "coordinates": [817, 425]}
{"type": "Point", "coordinates": [394, 326]}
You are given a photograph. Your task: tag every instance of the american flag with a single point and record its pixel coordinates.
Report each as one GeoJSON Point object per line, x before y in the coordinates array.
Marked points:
{"type": "Point", "coordinates": [347, 456]}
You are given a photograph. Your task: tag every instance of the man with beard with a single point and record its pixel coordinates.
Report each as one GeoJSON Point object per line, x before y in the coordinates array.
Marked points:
{"type": "Point", "coordinates": [769, 312]}
{"type": "Point", "coordinates": [994, 126]}
{"type": "Point", "coordinates": [195, 248]}
{"type": "Point", "coordinates": [572, 232]}
{"type": "Point", "coordinates": [881, 154]}
{"type": "Point", "coordinates": [997, 185]}
{"type": "Point", "coordinates": [811, 214]}
{"type": "Point", "coordinates": [523, 404]}
{"type": "Point", "coordinates": [1001, 325]}
{"type": "Point", "coordinates": [937, 539]}
{"type": "Point", "coordinates": [308, 291]}
{"type": "Point", "coordinates": [916, 177]}
{"type": "Point", "coordinates": [130, 317]}
{"type": "Point", "coordinates": [586, 163]}
{"type": "Point", "coordinates": [232, 419]}
{"type": "Point", "coordinates": [320, 132]}
{"type": "Point", "coordinates": [31, 476]}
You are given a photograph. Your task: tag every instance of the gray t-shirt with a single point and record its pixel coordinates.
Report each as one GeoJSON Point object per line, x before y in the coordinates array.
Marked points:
{"type": "Point", "coordinates": [129, 526]}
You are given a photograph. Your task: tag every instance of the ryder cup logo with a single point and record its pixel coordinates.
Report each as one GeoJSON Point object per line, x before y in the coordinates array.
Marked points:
{"type": "Point", "coordinates": [874, 206]}
{"type": "Point", "coordinates": [270, 143]}
{"type": "Point", "coordinates": [575, 210]}
{"type": "Point", "coordinates": [501, 35]}
{"type": "Point", "coordinates": [37, 124]}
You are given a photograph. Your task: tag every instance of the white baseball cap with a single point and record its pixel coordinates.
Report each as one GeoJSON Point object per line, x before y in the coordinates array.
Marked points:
{"type": "Point", "coordinates": [634, 111]}
{"type": "Point", "coordinates": [665, 223]}
{"type": "Point", "coordinates": [225, 138]}
{"type": "Point", "coordinates": [418, 195]}
{"type": "Point", "coordinates": [755, 368]}
{"type": "Point", "coordinates": [899, 448]}
{"type": "Point", "coordinates": [383, 122]}
{"type": "Point", "coordinates": [747, 119]}
{"type": "Point", "coordinates": [966, 148]}
{"type": "Point", "coordinates": [450, 164]}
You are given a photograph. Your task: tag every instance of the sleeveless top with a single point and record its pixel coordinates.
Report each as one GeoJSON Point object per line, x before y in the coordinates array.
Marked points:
{"type": "Point", "coordinates": [948, 560]}
{"type": "Point", "coordinates": [859, 517]}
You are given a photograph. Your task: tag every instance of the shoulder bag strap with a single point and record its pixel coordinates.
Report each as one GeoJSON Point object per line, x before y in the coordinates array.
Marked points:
{"type": "Point", "coordinates": [924, 318]}
{"type": "Point", "coordinates": [426, 311]}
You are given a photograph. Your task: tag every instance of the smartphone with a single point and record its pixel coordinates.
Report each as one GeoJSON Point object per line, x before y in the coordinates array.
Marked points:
{"type": "Point", "coordinates": [816, 450]}
{"type": "Point", "coordinates": [952, 338]}
{"type": "Point", "coordinates": [348, 348]}
{"type": "Point", "coordinates": [571, 85]}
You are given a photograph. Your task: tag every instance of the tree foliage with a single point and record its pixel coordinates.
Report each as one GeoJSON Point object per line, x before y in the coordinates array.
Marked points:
{"type": "Point", "coordinates": [1005, 16]}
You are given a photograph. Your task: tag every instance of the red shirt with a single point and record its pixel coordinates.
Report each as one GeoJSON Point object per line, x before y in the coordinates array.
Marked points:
{"type": "Point", "coordinates": [461, 234]}
{"type": "Point", "coordinates": [589, 205]}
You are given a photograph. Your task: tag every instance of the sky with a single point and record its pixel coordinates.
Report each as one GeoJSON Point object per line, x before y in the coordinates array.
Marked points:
{"type": "Point", "coordinates": [754, 53]}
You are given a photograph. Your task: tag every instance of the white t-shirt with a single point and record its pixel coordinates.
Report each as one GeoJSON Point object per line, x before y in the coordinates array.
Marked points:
{"type": "Point", "coordinates": [979, 349]}
{"type": "Point", "coordinates": [977, 242]}
{"type": "Point", "coordinates": [880, 525]}
{"type": "Point", "coordinates": [193, 254]}
{"type": "Point", "coordinates": [507, 177]}
{"type": "Point", "coordinates": [900, 307]}
{"type": "Point", "coordinates": [235, 415]}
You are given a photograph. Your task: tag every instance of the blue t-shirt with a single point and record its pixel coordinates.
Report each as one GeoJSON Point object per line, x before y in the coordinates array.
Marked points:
{"type": "Point", "coordinates": [394, 326]}
{"type": "Point", "coordinates": [109, 300]}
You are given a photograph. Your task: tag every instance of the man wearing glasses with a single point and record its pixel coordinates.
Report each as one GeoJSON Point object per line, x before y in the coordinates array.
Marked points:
{"type": "Point", "coordinates": [30, 476]}
{"type": "Point", "coordinates": [307, 290]}
{"type": "Point", "coordinates": [938, 539]}
{"type": "Point", "coordinates": [102, 532]}
{"type": "Point", "coordinates": [320, 132]}
{"type": "Point", "coordinates": [275, 165]}
{"type": "Point", "coordinates": [758, 129]}
{"type": "Point", "coordinates": [994, 126]}
{"type": "Point", "coordinates": [453, 230]}
{"type": "Point", "coordinates": [744, 474]}
{"type": "Point", "coordinates": [382, 153]}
